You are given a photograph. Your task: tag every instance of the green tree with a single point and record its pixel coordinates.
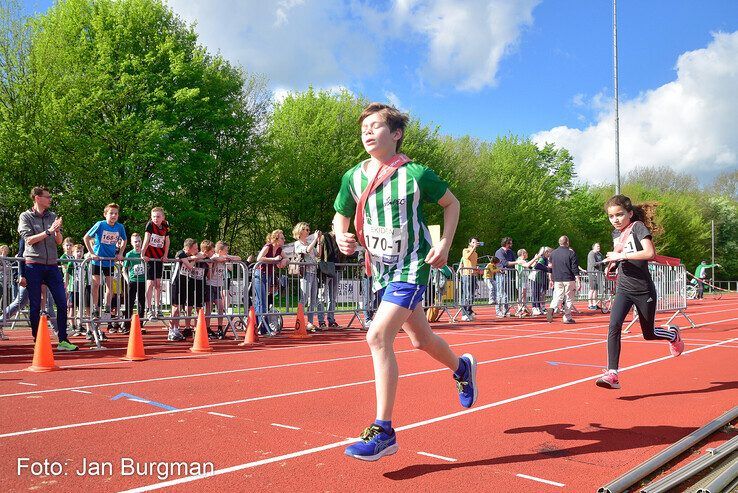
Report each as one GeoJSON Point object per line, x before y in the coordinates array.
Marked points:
{"type": "Point", "coordinates": [134, 111]}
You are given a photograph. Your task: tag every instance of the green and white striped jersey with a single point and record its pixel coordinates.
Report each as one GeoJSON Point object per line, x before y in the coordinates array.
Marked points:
{"type": "Point", "coordinates": [394, 226]}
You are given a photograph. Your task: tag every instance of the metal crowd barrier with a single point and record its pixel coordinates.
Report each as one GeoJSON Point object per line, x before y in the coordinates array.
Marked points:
{"type": "Point", "coordinates": [184, 290]}
{"type": "Point", "coordinates": [671, 291]}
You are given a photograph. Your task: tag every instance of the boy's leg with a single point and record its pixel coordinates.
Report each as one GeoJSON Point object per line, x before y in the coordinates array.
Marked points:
{"type": "Point", "coordinates": [150, 288]}
{"type": "Point", "coordinates": [423, 338]}
{"type": "Point", "coordinates": [95, 291]}
{"type": "Point", "coordinates": [381, 336]}
{"type": "Point", "coordinates": [108, 290]}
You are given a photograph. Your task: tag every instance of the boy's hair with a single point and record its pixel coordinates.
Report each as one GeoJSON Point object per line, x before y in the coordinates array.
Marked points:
{"type": "Point", "coordinates": [135, 235]}
{"type": "Point", "coordinates": [111, 205]}
{"type": "Point", "coordinates": [5, 247]}
{"type": "Point", "coordinates": [36, 191]}
{"type": "Point", "coordinates": [158, 209]}
{"type": "Point", "coordinates": [394, 119]}
{"type": "Point", "coordinates": [78, 246]}
{"type": "Point", "coordinates": [595, 244]}
{"type": "Point", "coordinates": [188, 243]}
{"type": "Point", "coordinates": [298, 228]}
{"type": "Point", "coordinates": [473, 238]}
{"type": "Point", "coordinates": [206, 245]}
{"type": "Point", "coordinates": [495, 260]}
{"type": "Point", "coordinates": [521, 252]}
{"type": "Point", "coordinates": [68, 239]}
{"type": "Point", "coordinates": [220, 246]}
{"type": "Point", "coordinates": [505, 241]}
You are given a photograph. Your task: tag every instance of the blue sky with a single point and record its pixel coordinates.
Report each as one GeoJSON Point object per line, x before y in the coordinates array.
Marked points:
{"type": "Point", "coordinates": [534, 68]}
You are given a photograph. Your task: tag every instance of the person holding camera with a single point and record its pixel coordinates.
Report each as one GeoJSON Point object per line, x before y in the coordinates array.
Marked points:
{"type": "Point", "coordinates": [469, 260]}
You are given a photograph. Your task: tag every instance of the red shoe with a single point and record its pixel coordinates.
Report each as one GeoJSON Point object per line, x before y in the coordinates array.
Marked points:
{"type": "Point", "coordinates": [609, 380]}
{"type": "Point", "coordinates": [677, 346]}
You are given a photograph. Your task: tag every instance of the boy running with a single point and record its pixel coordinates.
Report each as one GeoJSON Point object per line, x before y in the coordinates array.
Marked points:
{"type": "Point", "coordinates": [384, 194]}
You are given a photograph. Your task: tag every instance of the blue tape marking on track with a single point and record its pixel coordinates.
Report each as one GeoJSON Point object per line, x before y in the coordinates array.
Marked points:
{"type": "Point", "coordinates": [141, 399]}
{"type": "Point", "coordinates": [557, 363]}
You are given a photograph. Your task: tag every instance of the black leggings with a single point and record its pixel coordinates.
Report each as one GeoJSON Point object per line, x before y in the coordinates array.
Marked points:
{"type": "Point", "coordinates": [136, 294]}
{"type": "Point", "coordinates": [645, 303]}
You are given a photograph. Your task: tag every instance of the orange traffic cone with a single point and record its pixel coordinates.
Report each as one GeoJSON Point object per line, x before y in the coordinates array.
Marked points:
{"type": "Point", "coordinates": [135, 341]}
{"type": "Point", "coordinates": [201, 343]}
{"type": "Point", "coordinates": [300, 324]}
{"type": "Point", "coordinates": [43, 356]}
{"type": "Point", "coordinates": [252, 337]}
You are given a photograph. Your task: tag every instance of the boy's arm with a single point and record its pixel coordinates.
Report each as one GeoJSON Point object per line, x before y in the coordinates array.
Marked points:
{"type": "Point", "coordinates": [88, 243]}
{"type": "Point", "coordinates": [438, 255]}
{"type": "Point", "coordinates": [346, 241]}
{"type": "Point", "coordinates": [119, 252]}
{"type": "Point", "coordinates": [166, 246]}
{"type": "Point", "coordinates": [145, 245]}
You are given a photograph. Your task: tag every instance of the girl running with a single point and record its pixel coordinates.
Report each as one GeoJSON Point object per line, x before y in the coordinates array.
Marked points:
{"type": "Point", "coordinates": [633, 248]}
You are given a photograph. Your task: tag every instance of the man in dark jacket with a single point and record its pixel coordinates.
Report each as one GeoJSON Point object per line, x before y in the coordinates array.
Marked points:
{"type": "Point", "coordinates": [564, 270]}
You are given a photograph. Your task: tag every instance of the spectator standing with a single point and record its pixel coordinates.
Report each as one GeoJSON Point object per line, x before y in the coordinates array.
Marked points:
{"type": "Point", "coordinates": [469, 262]}
{"type": "Point", "coordinates": [42, 232]}
{"type": "Point", "coordinates": [505, 276]}
{"type": "Point", "coordinates": [594, 273]}
{"type": "Point", "coordinates": [564, 272]}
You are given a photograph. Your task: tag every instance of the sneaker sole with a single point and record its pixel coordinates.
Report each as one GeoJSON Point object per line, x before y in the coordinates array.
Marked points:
{"type": "Point", "coordinates": [473, 371]}
{"type": "Point", "coordinates": [392, 449]}
{"type": "Point", "coordinates": [606, 385]}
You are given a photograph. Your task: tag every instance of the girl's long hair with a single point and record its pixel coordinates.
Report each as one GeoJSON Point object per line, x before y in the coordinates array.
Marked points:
{"type": "Point", "coordinates": [645, 212]}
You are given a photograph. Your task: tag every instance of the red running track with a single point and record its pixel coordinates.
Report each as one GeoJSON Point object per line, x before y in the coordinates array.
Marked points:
{"type": "Point", "coordinates": [277, 417]}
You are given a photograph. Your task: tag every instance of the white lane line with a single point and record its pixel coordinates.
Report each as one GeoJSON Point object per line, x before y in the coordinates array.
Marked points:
{"type": "Point", "coordinates": [285, 426]}
{"type": "Point", "coordinates": [540, 480]}
{"type": "Point", "coordinates": [249, 465]}
{"type": "Point", "coordinates": [221, 414]}
{"type": "Point", "coordinates": [447, 459]}
{"type": "Point", "coordinates": [29, 384]}
{"type": "Point", "coordinates": [143, 401]}
{"type": "Point", "coordinates": [334, 387]}
{"type": "Point", "coordinates": [272, 367]}
{"type": "Point", "coordinates": [80, 391]}
{"type": "Point", "coordinates": [445, 331]}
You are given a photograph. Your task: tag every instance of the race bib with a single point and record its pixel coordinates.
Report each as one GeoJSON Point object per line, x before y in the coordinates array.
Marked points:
{"type": "Point", "coordinates": [138, 270]}
{"type": "Point", "coordinates": [156, 241]}
{"type": "Point", "coordinates": [197, 273]}
{"type": "Point", "coordinates": [630, 245]}
{"type": "Point", "coordinates": [109, 238]}
{"type": "Point", "coordinates": [386, 244]}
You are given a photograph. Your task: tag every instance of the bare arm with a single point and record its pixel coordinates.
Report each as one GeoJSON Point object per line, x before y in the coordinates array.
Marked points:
{"type": "Point", "coordinates": [438, 255]}
{"type": "Point", "coordinates": [346, 241]}
{"type": "Point", "coordinates": [648, 253]}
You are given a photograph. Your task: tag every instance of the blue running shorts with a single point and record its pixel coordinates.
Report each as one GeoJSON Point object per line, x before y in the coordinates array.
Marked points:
{"type": "Point", "coordinates": [403, 294]}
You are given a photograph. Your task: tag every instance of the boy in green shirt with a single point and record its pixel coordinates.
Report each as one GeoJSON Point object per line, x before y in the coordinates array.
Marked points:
{"type": "Point", "coordinates": [385, 193]}
{"type": "Point", "coordinates": [133, 271]}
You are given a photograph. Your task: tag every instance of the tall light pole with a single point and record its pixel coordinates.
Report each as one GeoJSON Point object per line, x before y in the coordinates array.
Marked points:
{"type": "Point", "coordinates": [615, 77]}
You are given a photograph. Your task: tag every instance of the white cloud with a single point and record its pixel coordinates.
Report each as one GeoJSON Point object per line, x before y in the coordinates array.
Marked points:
{"type": "Point", "coordinates": [292, 42]}
{"type": "Point", "coordinates": [394, 100]}
{"type": "Point", "coordinates": [466, 40]}
{"type": "Point", "coordinates": [687, 124]}
{"type": "Point", "coordinates": [296, 43]}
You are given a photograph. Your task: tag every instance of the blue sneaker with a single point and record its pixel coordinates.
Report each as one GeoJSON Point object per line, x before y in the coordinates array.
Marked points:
{"type": "Point", "coordinates": [375, 443]}
{"type": "Point", "coordinates": [467, 384]}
